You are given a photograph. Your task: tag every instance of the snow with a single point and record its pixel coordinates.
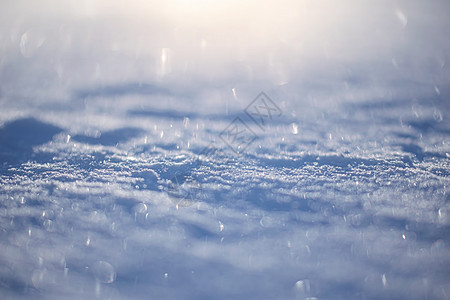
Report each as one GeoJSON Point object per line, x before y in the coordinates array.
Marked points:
{"type": "Point", "coordinates": [120, 176]}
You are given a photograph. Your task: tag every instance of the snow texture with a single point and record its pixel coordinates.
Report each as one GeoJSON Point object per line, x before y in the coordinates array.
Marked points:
{"type": "Point", "coordinates": [124, 174]}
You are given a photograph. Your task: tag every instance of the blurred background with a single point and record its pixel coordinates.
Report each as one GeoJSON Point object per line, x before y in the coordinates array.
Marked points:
{"type": "Point", "coordinates": [53, 49]}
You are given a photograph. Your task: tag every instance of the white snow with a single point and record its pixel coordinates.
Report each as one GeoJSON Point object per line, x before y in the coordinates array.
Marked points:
{"type": "Point", "coordinates": [106, 191]}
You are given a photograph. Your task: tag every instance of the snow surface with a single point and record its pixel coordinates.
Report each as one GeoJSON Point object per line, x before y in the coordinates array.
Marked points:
{"type": "Point", "coordinates": [107, 109]}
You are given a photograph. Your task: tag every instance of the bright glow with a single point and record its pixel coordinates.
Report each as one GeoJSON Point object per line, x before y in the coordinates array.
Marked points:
{"type": "Point", "coordinates": [275, 41]}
